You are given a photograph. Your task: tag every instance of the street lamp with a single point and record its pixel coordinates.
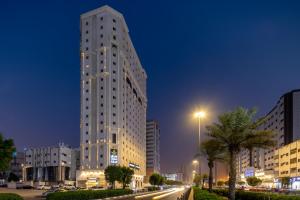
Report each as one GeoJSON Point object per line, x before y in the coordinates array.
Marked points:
{"type": "Point", "coordinates": [199, 115]}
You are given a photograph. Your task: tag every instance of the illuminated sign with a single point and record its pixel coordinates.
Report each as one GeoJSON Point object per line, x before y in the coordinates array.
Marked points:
{"type": "Point", "coordinates": [114, 156]}
{"type": "Point", "coordinates": [134, 166]}
{"type": "Point", "coordinates": [250, 171]}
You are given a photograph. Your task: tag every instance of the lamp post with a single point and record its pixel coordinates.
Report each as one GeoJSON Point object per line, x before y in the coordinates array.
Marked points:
{"type": "Point", "coordinates": [199, 115]}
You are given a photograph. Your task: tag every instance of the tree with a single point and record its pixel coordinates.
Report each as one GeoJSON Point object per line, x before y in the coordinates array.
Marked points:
{"type": "Point", "coordinates": [213, 150]}
{"type": "Point", "coordinates": [127, 174]}
{"type": "Point", "coordinates": [7, 149]}
{"type": "Point", "coordinates": [253, 181]}
{"type": "Point", "coordinates": [13, 177]}
{"type": "Point", "coordinates": [171, 182]}
{"type": "Point", "coordinates": [112, 174]}
{"type": "Point", "coordinates": [233, 130]}
{"type": "Point", "coordinates": [220, 183]}
{"type": "Point", "coordinates": [156, 179]}
{"type": "Point", "coordinates": [285, 182]}
{"type": "Point", "coordinates": [197, 179]}
{"type": "Point", "coordinates": [264, 140]}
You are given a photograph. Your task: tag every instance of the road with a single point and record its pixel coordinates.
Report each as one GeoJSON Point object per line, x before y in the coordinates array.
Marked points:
{"type": "Point", "coordinates": [170, 194]}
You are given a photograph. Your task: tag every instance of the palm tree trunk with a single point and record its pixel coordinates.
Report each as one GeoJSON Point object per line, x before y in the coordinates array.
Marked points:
{"type": "Point", "coordinates": [232, 174]}
{"type": "Point", "coordinates": [210, 176]}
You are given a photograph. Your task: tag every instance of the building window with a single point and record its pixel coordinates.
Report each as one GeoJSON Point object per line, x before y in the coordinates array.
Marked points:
{"type": "Point", "coordinates": [114, 37]}
{"type": "Point", "coordinates": [114, 21]}
{"type": "Point", "coordinates": [86, 23]}
{"type": "Point", "coordinates": [114, 138]}
{"type": "Point", "coordinates": [101, 35]}
{"type": "Point", "coordinates": [101, 27]}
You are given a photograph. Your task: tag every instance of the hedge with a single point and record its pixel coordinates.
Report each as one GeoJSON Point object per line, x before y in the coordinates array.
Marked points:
{"type": "Point", "coordinates": [87, 194]}
{"type": "Point", "coordinates": [204, 195]}
{"type": "Point", "coordinates": [246, 195]}
{"type": "Point", "coordinates": [10, 196]}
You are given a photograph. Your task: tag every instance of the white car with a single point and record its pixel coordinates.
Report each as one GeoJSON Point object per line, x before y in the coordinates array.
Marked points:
{"type": "Point", "coordinates": [46, 187]}
{"type": "Point", "coordinates": [39, 187]}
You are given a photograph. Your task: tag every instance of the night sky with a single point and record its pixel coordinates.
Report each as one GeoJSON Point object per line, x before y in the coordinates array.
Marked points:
{"type": "Point", "coordinates": [213, 54]}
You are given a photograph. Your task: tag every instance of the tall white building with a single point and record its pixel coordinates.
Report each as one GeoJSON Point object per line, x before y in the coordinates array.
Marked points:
{"type": "Point", "coordinates": [283, 119]}
{"type": "Point", "coordinates": [113, 99]}
{"type": "Point", "coordinates": [153, 147]}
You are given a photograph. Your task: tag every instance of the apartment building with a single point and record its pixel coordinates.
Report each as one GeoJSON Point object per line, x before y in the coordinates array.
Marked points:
{"type": "Point", "coordinates": [152, 147]}
{"type": "Point", "coordinates": [50, 164]}
{"type": "Point", "coordinates": [287, 164]}
{"type": "Point", "coordinates": [283, 119]}
{"type": "Point", "coordinates": [113, 99]}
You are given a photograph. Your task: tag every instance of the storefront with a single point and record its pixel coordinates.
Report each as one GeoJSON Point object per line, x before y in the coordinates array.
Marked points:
{"type": "Point", "coordinates": [90, 178]}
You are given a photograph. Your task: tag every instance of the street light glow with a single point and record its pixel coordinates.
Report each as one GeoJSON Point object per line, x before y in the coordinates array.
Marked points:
{"type": "Point", "coordinates": [200, 114]}
{"type": "Point", "coordinates": [195, 161]}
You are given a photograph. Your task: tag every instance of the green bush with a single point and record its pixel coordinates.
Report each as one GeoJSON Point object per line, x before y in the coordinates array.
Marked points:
{"type": "Point", "coordinates": [88, 194]}
{"type": "Point", "coordinates": [9, 196]}
{"type": "Point", "coordinates": [246, 195]}
{"type": "Point", "coordinates": [204, 195]}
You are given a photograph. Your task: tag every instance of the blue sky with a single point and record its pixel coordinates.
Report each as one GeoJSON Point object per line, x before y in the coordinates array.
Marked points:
{"type": "Point", "coordinates": [218, 54]}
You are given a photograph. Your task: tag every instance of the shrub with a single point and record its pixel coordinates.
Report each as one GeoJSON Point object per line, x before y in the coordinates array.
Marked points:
{"type": "Point", "coordinates": [9, 196]}
{"type": "Point", "coordinates": [86, 195]}
{"type": "Point", "coordinates": [253, 181]}
{"type": "Point", "coordinates": [204, 195]}
{"type": "Point", "coordinates": [245, 195]}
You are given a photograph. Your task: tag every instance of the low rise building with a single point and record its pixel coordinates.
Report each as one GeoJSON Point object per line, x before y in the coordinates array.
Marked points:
{"type": "Point", "coordinates": [287, 164]}
{"type": "Point", "coordinates": [51, 164]}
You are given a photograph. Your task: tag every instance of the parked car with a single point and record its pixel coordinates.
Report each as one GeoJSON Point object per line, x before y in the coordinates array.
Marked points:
{"type": "Point", "coordinates": [39, 187]}
{"type": "Point", "coordinates": [28, 187]}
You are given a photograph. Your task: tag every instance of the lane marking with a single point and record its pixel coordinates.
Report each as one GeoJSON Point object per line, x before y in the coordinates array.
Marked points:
{"type": "Point", "coordinates": [153, 194]}
{"type": "Point", "coordinates": [167, 194]}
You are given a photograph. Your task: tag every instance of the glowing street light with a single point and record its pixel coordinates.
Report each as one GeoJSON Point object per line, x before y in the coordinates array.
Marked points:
{"type": "Point", "coordinates": [199, 115]}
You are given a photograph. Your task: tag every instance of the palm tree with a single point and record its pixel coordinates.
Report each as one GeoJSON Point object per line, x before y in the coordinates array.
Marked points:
{"type": "Point", "coordinates": [213, 150]}
{"type": "Point", "coordinates": [6, 153]}
{"type": "Point", "coordinates": [265, 140]}
{"type": "Point", "coordinates": [234, 129]}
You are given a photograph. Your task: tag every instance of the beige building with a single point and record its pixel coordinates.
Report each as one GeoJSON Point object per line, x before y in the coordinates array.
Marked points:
{"type": "Point", "coordinates": [113, 99]}
{"type": "Point", "coordinates": [287, 164]}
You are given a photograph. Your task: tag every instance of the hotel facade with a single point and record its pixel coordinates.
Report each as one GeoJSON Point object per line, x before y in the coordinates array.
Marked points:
{"type": "Point", "coordinates": [113, 99]}
{"type": "Point", "coordinates": [284, 120]}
